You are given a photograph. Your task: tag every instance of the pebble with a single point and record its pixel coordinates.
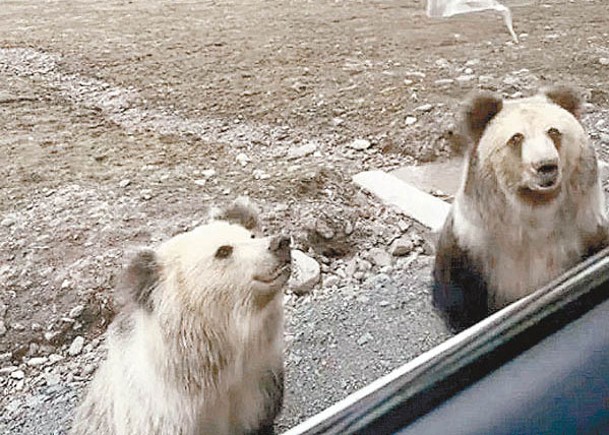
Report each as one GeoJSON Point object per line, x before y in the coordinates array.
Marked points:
{"type": "Point", "coordinates": [242, 158]}
{"type": "Point", "coordinates": [8, 221]}
{"type": "Point", "coordinates": [604, 138]}
{"type": "Point", "coordinates": [401, 247]}
{"type": "Point", "coordinates": [53, 358]}
{"type": "Point", "coordinates": [76, 311]}
{"type": "Point", "coordinates": [52, 379]}
{"type": "Point", "coordinates": [604, 61]}
{"type": "Point", "coordinates": [8, 370]}
{"type": "Point", "coordinates": [444, 82]}
{"type": "Point", "coordinates": [37, 361]}
{"type": "Point", "coordinates": [331, 281]}
{"type": "Point", "coordinates": [2, 328]}
{"type": "Point", "coordinates": [364, 339]}
{"type": "Point", "coordinates": [306, 273]}
{"type": "Point", "coordinates": [384, 303]}
{"type": "Point", "coordinates": [403, 225]}
{"type": "Point", "coordinates": [360, 144]}
{"type": "Point", "coordinates": [200, 182]}
{"type": "Point", "coordinates": [410, 120]}
{"type": "Point", "coordinates": [17, 374]}
{"type": "Point", "coordinates": [76, 346]}
{"type": "Point", "coordinates": [208, 173]}
{"type": "Point", "coordinates": [466, 78]}
{"type": "Point", "coordinates": [302, 151]}
{"type": "Point", "coordinates": [424, 108]}
{"type": "Point", "coordinates": [259, 174]}
{"type": "Point", "coordinates": [124, 183]}
{"type": "Point", "coordinates": [380, 257]}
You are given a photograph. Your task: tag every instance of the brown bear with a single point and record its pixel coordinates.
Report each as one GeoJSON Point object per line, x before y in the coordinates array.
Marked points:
{"type": "Point", "coordinates": [197, 348]}
{"type": "Point", "coordinates": [530, 205]}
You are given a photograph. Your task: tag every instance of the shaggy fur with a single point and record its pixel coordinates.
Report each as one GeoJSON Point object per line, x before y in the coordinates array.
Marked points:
{"type": "Point", "coordinates": [198, 347]}
{"type": "Point", "coordinates": [530, 205]}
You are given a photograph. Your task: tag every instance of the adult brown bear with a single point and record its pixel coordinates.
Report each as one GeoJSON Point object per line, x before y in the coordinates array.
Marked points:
{"type": "Point", "coordinates": [530, 205]}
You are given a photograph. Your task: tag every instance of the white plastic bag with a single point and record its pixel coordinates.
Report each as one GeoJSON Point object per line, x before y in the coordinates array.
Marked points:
{"type": "Point", "coordinates": [448, 8]}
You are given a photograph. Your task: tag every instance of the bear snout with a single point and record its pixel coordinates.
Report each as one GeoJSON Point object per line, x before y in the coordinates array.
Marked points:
{"type": "Point", "coordinates": [280, 247]}
{"type": "Point", "coordinates": [547, 173]}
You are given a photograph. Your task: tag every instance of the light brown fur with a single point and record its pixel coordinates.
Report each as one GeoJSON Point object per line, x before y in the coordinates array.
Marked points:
{"type": "Point", "coordinates": [199, 350]}
{"type": "Point", "coordinates": [530, 207]}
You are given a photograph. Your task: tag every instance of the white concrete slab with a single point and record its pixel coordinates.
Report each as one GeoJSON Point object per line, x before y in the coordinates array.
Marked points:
{"type": "Point", "coordinates": [420, 206]}
{"type": "Point", "coordinates": [443, 176]}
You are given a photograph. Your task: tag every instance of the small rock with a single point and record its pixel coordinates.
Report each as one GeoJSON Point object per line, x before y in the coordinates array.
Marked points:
{"type": "Point", "coordinates": [604, 138]}
{"type": "Point", "coordinates": [88, 369]}
{"type": "Point", "coordinates": [53, 358]}
{"type": "Point", "coordinates": [384, 303]}
{"type": "Point", "coordinates": [2, 328]}
{"type": "Point", "coordinates": [401, 247]}
{"type": "Point", "coordinates": [76, 346]}
{"type": "Point", "coordinates": [305, 273]}
{"type": "Point", "coordinates": [417, 74]}
{"type": "Point", "coordinates": [331, 281]}
{"type": "Point", "coordinates": [259, 174]}
{"type": "Point", "coordinates": [465, 78]}
{"type": "Point", "coordinates": [242, 158]}
{"type": "Point", "coordinates": [379, 257]}
{"type": "Point", "coordinates": [360, 144]}
{"type": "Point", "coordinates": [302, 151]}
{"type": "Point", "coordinates": [604, 61]}
{"type": "Point", "coordinates": [5, 356]}
{"type": "Point", "coordinates": [424, 108]}
{"type": "Point", "coordinates": [17, 374]}
{"type": "Point", "coordinates": [200, 182]}
{"type": "Point", "coordinates": [51, 335]}
{"type": "Point", "coordinates": [38, 361]}
{"type": "Point", "coordinates": [410, 120]}
{"type": "Point", "coordinates": [8, 370]}
{"type": "Point", "coordinates": [124, 183]}
{"type": "Point", "coordinates": [468, 71]}
{"type": "Point", "coordinates": [404, 226]}
{"type": "Point", "coordinates": [364, 339]}
{"type": "Point", "coordinates": [8, 221]}
{"type": "Point", "coordinates": [52, 379]}
{"type": "Point", "coordinates": [76, 311]}
{"type": "Point", "coordinates": [208, 173]}
{"type": "Point", "coordinates": [444, 82]}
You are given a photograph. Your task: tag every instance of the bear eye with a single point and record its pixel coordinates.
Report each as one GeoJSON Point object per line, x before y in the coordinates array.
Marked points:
{"type": "Point", "coordinates": [516, 139]}
{"type": "Point", "coordinates": [253, 236]}
{"type": "Point", "coordinates": [224, 251]}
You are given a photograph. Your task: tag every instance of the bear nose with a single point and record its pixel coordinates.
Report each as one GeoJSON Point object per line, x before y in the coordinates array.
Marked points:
{"type": "Point", "coordinates": [280, 246]}
{"type": "Point", "coordinates": [548, 171]}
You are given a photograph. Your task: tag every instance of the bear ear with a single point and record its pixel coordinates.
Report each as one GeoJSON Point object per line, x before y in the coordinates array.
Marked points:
{"type": "Point", "coordinates": [479, 110]}
{"type": "Point", "coordinates": [242, 212]}
{"type": "Point", "coordinates": [566, 97]}
{"type": "Point", "coordinates": [140, 279]}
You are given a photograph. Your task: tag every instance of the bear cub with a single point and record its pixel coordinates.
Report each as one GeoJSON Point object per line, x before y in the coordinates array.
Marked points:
{"type": "Point", "coordinates": [198, 345]}
{"type": "Point", "coordinates": [530, 205]}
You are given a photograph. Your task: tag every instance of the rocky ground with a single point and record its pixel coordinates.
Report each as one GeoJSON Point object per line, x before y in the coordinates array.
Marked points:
{"type": "Point", "coordinates": [124, 121]}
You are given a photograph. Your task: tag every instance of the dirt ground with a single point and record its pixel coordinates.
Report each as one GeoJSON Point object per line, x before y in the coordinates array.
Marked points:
{"type": "Point", "coordinates": [123, 121]}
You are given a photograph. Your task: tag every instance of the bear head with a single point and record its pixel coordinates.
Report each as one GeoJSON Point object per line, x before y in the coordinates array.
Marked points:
{"type": "Point", "coordinates": [528, 151]}
{"type": "Point", "coordinates": [218, 264]}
